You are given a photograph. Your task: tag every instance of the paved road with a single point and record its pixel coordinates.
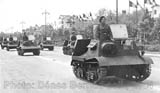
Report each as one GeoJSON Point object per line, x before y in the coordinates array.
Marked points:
{"type": "Point", "coordinates": [51, 73]}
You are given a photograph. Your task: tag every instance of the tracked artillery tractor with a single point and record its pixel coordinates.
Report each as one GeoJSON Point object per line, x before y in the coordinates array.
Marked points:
{"type": "Point", "coordinates": [12, 44]}
{"type": "Point", "coordinates": [48, 43]}
{"type": "Point", "coordinates": [28, 46]}
{"type": "Point", "coordinates": [95, 60]}
{"type": "Point", "coordinates": [67, 50]}
{"type": "Point", "coordinates": [4, 43]}
{"type": "Point", "coordinates": [69, 45]}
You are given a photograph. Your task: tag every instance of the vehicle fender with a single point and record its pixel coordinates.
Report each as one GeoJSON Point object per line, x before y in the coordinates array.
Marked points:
{"type": "Point", "coordinates": [123, 60]}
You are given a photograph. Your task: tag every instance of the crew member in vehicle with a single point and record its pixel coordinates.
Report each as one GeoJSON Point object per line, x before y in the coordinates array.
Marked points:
{"type": "Point", "coordinates": [73, 38]}
{"type": "Point", "coordinates": [10, 38]}
{"type": "Point", "coordinates": [44, 38]}
{"type": "Point", "coordinates": [25, 37]}
{"type": "Point", "coordinates": [103, 31]}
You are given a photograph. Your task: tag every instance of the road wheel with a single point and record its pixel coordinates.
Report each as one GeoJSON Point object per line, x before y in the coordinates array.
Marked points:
{"type": "Point", "coordinates": [69, 52]}
{"type": "Point", "coordinates": [144, 71]}
{"type": "Point", "coordinates": [92, 76]}
{"type": "Point", "coordinates": [50, 48]}
{"type": "Point", "coordinates": [21, 52]}
{"type": "Point", "coordinates": [2, 47]}
{"type": "Point", "coordinates": [7, 48]}
{"type": "Point", "coordinates": [36, 52]}
{"type": "Point", "coordinates": [41, 47]}
{"type": "Point", "coordinates": [18, 52]}
{"type": "Point", "coordinates": [65, 52]}
{"type": "Point", "coordinates": [78, 72]}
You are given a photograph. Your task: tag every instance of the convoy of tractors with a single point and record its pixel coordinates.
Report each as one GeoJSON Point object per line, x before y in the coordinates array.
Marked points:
{"type": "Point", "coordinates": [94, 60]}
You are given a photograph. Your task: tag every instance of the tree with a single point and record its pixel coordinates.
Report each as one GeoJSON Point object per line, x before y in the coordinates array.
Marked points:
{"type": "Point", "coordinates": [146, 26]}
{"type": "Point", "coordinates": [156, 30]}
{"type": "Point", "coordinates": [60, 32]}
{"type": "Point", "coordinates": [102, 12]}
{"type": "Point", "coordinates": [67, 34]}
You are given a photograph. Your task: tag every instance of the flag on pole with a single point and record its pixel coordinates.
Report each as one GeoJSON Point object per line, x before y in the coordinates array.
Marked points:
{"type": "Point", "coordinates": [155, 4]}
{"type": "Point", "coordinates": [147, 2]}
{"type": "Point", "coordinates": [131, 4]}
{"type": "Point", "coordinates": [139, 5]}
{"type": "Point", "coordinates": [155, 12]}
{"type": "Point", "coordinates": [84, 15]}
{"type": "Point", "coordinates": [90, 14]}
{"type": "Point", "coordinates": [154, 1]}
{"type": "Point", "coordinates": [80, 17]}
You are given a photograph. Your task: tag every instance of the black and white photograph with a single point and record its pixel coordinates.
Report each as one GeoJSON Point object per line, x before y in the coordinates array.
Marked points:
{"type": "Point", "coordinates": [79, 46]}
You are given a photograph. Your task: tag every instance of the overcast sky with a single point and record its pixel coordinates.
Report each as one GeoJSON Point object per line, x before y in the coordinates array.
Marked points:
{"type": "Point", "coordinates": [12, 12]}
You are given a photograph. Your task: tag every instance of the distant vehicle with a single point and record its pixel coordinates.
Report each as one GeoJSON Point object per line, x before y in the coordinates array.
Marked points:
{"type": "Point", "coordinates": [28, 46]}
{"type": "Point", "coordinates": [4, 43]}
{"type": "Point", "coordinates": [47, 43]}
{"type": "Point", "coordinates": [68, 46]}
{"type": "Point", "coordinates": [1, 39]}
{"type": "Point", "coordinates": [12, 44]}
{"type": "Point", "coordinates": [95, 60]}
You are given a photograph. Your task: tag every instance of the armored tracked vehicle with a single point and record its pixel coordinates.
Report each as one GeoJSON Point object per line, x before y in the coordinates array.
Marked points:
{"type": "Point", "coordinates": [28, 46]}
{"type": "Point", "coordinates": [47, 43]}
{"type": "Point", "coordinates": [4, 43]}
{"type": "Point", "coordinates": [1, 39]}
{"type": "Point", "coordinates": [12, 44]}
{"type": "Point", "coordinates": [69, 45]}
{"type": "Point", "coordinates": [95, 60]}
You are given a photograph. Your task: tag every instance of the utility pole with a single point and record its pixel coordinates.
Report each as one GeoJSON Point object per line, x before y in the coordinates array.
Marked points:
{"type": "Point", "coordinates": [45, 13]}
{"type": "Point", "coordinates": [117, 11]}
{"type": "Point", "coordinates": [137, 14]}
{"type": "Point", "coordinates": [22, 23]}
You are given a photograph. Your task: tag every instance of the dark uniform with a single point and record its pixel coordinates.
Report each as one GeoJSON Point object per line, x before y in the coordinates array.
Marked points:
{"type": "Point", "coordinates": [103, 32]}
{"type": "Point", "coordinates": [10, 38]}
{"type": "Point", "coordinates": [44, 38]}
{"type": "Point", "coordinates": [25, 38]}
{"type": "Point", "coordinates": [73, 39]}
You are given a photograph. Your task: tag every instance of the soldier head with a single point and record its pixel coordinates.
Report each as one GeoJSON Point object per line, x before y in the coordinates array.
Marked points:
{"type": "Point", "coordinates": [44, 38]}
{"type": "Point", "coordinates": [102, 19]}
{"type": "Point", "coordinates": [24, 33]}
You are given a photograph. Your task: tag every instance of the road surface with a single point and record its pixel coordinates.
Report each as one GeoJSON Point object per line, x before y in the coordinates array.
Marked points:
{"type": "Point", "coordinates": [51, 73]}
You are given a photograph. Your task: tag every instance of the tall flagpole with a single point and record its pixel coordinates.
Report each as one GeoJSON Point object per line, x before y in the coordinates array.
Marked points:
{"type": "Point", "coordinates": [45, 15]}
{"type": "Point", "coordinates": [136, 17]}
{"type": "Point", "coordinates": [136, 13]}
{"type": "Point", "coordinates": [129, 10]}
{"type": "Point", "coordinates": [117, 11]}
{"type": "Point", "coordinates": [143, 31]}
{"type": "Point", "coordinates": [144, 5]}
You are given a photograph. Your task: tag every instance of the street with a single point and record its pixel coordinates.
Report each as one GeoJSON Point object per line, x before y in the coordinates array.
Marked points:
{"type": "Point", "coordinates": [51, 73]}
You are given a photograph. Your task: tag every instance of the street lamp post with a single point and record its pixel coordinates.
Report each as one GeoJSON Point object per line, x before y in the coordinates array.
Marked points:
{"type": "Point", "coordinates": [45, 14]}
{"type": "Point", "coordinates": [22, 23]}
